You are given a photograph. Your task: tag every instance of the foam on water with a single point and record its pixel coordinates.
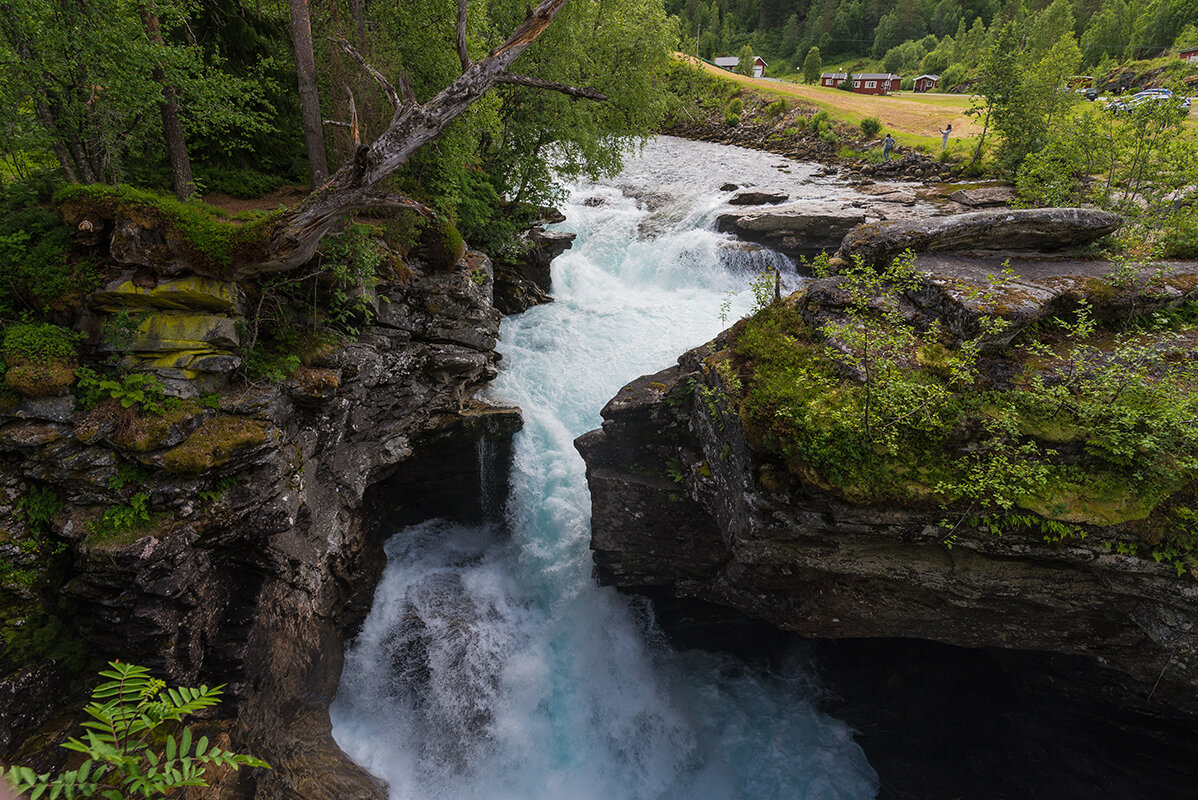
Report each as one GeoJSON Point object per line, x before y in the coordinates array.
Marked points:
{"type": "Point", "coordinates": [493, 667]}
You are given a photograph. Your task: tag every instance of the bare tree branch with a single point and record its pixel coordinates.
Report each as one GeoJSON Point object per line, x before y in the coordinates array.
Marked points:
{"type": "Point", "coordinates": [554, 86]}
{"type": "Point", "coordinates": [391, 200]}
{"type": "Point", "coordinates": [379, 78]}
{"type": "Point", "coordinates": [463, 55]}
{"type": "Point", "coordinates": [405, 86]}
{"type": "Point", "coordinates": [336, 122]}
{"type": "Point", "coordinates": [296, 235]}
{"type": "Point", "coordinates": [355, 132]}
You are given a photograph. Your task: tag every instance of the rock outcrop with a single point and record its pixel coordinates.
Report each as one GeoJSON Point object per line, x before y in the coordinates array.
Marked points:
{"type": "Point", "coordinates": [1037, 229]}
{"type": "Point", "coordinates": [523, 281]}
{"type": "Point", "coordinates": [796, 229]}
{"type": "Point", "coordinates": [758, 197]}
{"type": "Point", "coordinates": [690, 511]}
{"type": "Point", "coordinates": [237, 540]}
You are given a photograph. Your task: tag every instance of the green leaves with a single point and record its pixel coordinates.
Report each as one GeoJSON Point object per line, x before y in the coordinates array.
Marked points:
{"type": "Point", "coordinates": [125, 713]}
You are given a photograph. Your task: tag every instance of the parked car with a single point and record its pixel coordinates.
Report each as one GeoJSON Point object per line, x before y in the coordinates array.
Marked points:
{"type": "Point", "coordinates": [1151, 96]}
{"type": "Point", "coordinates": [1089, 93]}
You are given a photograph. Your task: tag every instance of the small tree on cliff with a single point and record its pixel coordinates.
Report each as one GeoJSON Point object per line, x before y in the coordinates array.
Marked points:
{"type": "Point", "coordinates": [813, 64]}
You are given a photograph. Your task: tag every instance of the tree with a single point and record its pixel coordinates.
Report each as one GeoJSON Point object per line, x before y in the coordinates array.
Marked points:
{"type": "Point", "coordinates": [812, 66]}
{"type": "Point", "coordinates": [294, 236]}
{"type": "Point", "coordinates": [305, 71]}
{"type": "Point", "coordinates": [172, 127]}
{"type": "Point", "coordinates": [745, 65]}
{"type": "Point", "coordinates": [127, 753]}
{"type": "Point", "coordinates": [85, 73]}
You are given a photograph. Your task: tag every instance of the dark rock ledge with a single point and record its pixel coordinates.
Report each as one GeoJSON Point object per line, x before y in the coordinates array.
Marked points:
{"type": "Point", "coordinates": [1047, 652]}
{"type": "Point", "coordinates": [271, 509]}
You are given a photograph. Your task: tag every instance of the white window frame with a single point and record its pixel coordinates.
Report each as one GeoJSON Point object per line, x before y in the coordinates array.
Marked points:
{"type": "Point", "coordinates": [871, 84]}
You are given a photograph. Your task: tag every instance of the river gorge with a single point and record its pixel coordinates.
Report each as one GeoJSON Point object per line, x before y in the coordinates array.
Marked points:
{"type": "Point", "coordinates": [396, 560]}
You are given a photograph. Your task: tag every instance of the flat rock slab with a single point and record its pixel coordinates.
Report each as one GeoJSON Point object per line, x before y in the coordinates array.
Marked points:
{"type": "Point", "coordinates": [799, 229]}
{"type": "Point", "coordinates": [962, 290]}
{"type": "Point", "coordinates": [1036, 230]}
{"type": "Point", "coordinates": [984, 196]}
{"type": "Point", "coordinates": [821, 219]}
{"type": "Point", "coordinates": [755, 197]}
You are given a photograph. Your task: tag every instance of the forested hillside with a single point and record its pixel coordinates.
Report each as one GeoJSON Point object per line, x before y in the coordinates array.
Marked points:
{"type": "Point", "coordinates": [930, 35]}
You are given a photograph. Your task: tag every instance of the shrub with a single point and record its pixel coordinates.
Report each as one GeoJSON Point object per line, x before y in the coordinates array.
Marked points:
{"type": "Point", "coordinates": [39, 358]}
{"type": "Point", "coordinates": [731, 120]}
{"type": "Point", "coordinates": [871, 127]}
{"type": "Point", "coordinates": [128, 752]}
{"type": "Point", "coordinates": [845, 85]}
{"type": "Point", "coordinates": [736, 106]}
{"type": "Point", "coordinates": [38, 343]}
{"type": "Point", "coordinates": [244, 182]}
{"type": "Point", "coordinates": [1180, 239]}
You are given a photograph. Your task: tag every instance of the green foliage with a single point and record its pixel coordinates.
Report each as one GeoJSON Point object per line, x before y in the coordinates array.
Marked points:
{"type": "Point", "coordinates": [812, 66]}
{"type": "Point", "coordinates": [38, 343]}
{"type": "Point", "coordinates": [122, 519]}
{"type": "Point", "coordinates": [37, 506]}
{"type": "Point", "coordinates": [79, 79]}
{"type": "Point", "coordinates": [119, 333]}
{"type": "Point", "coordinates": [880, 415]}
{"type": "Point", "coordinates": [128, 751]}
{"type": "Point", "coordinates": [127, 475]}
{"type": "Point", "coordinates": [217, 492]}
{"type": "Point", "coordinates": [1180, 236]}
{"type": "Point", "coordinates": [37, 271]}
{"type": "Point", "coordinates": [244, 182]}
{"type": "Point", "coordinates": [871, 127]}
{"type": "Point", "coordinates": [135, 389]}
{"type": "Point", "coordinates": [745, 65]}
{"type": "Point", "coordinates": [350, 260]}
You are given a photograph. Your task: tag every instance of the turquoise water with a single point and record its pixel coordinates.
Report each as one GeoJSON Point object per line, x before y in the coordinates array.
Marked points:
{"type": "Point", "coordinates": [492, 666]}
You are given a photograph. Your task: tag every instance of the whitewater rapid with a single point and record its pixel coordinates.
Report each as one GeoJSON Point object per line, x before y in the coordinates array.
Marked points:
{"type": "Point", "coordinates": [491, 667]}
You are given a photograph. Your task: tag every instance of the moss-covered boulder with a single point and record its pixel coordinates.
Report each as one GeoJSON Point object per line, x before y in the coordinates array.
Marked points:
{"type": "Point", "coordinates": [213, 444]}
{"type": "Point", "coordinates": [191, 293]}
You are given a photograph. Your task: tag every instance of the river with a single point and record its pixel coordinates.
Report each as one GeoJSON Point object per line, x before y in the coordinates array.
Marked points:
{"type": "Point", "coordinates": [491, 666]}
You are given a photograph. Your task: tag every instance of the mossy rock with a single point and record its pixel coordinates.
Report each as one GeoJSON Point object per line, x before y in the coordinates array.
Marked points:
{"type": "Point", "coordinates": [188, 293]}
{"type": "Point", "coordinates": [443, 244]}
{"type": "Point", "coordinates": [213, 444]}
{"type": "Point", "coordinates": [210, 243]}
{"type": "Point", "coordinates": [141, 432]}
{"type": "Point", "coordinates": [40, 380]}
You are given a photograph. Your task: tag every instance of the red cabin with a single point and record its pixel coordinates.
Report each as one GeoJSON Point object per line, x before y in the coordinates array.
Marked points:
{"type": "Point", "coordinates": [926, 83]}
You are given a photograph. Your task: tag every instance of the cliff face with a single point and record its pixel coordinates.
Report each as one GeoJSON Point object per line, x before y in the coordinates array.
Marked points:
{"type": "Point", "coordinates": [1082, 642]}
{"type": "Point", "coordinates": [255, 555]}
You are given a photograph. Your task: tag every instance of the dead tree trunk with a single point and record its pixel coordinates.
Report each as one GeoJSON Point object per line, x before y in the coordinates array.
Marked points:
{"type": "Point", "coordinates": [305, 69]}
{"type": "Point", "coordinates": [295, 237]}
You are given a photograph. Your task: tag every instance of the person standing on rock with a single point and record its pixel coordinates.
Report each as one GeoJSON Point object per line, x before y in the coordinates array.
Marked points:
{"type": "Point", "coordinates": [944, 133]}
{"type": "Point", "coordinates": [887, 146]}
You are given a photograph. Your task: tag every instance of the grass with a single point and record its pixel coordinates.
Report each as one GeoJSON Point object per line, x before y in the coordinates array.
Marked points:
{"type": "Point", "coordinates": [914, 119]}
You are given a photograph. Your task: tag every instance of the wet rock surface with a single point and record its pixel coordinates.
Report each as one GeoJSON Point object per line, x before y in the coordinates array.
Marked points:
{"type": "Point", "coordinates": [524, 281]}
{"type": "Point", "coordinates": [261, 555]}
{"type": "Point", "coordinates": [758, 197]}
{"type": "Point", "coordinates": [798, 228]}
{"type": "Point", "coordinates": [1073, 652]}
{"type": "Point", "coordinates": [1038, 230]}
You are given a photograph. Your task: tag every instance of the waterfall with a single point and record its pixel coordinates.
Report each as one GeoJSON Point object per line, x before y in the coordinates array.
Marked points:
{"type": "Point", "coordinates": [491, 666]}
